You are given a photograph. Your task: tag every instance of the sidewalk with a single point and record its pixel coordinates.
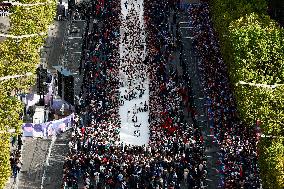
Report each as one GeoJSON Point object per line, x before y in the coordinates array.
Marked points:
{"type": "Point", "coordinates": [12, 182]}
{"type": "Point", "coordinates": [33, 152]}
{"type": "Point", "coordinates": [53, 49]}
{"type": "Point", "coordinates": [4, 26]}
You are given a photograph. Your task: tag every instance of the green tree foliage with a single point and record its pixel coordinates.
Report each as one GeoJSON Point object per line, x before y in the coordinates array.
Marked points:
{"type": "Point", "coordinates": [5, 171]}
{"type": "Point", "coordinates": [252, 45]}
{"type": "Point", "coordinates": [10, 111]}
{"type": "Point", "coordinates": [17, 57]}
{"type": "Point", "coordinates": [258, 46]}
{"type": "Point", "coordinates": [272, 159]}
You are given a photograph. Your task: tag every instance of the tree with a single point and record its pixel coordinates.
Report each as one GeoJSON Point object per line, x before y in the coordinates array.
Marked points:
{"type": "Point", "coordinates": [252, 45]}
{"type": "Point", "coordinates": [17, 57]}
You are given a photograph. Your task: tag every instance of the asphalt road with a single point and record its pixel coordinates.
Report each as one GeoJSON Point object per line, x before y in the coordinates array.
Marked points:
{"type": "Point", "coordinates": [191, 60]}
{"type": "Point", "coordinates": [54, 172]}
{"type": "Point", "coordinates": [34, 155]}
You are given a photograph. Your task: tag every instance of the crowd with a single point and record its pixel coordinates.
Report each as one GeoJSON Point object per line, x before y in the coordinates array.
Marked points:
{"type": "Point", "coordinates": [174, 156]}
{"type": "Point", "coordinates": [15, 156]}
{"type": "Point", "coordinates": [132, 75]}
{"type": "Point", "coordinates": [171, 96]}
{"type": "Point", "coordinates": [238, 154]}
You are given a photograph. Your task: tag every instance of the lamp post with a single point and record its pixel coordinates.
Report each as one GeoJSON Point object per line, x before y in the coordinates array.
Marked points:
{"type": "Point", "coordinates": [41, 82]}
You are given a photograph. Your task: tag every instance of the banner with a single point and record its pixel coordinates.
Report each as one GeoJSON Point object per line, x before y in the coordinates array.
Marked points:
{"type": "Point", "coordinates": [31, 99]}
{"type": "Point", "coordinates": [48, 128]}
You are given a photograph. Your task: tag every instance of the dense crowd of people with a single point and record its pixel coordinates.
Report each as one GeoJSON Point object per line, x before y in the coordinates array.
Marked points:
{"type": "Point", "coordinates": [238, 153]}
{"type": "Point", "coordinates": [174, 156]}
{"type": "Point", "coordinates": [132, 75]}
{"type": "Point", "coordinates": [171, 96]}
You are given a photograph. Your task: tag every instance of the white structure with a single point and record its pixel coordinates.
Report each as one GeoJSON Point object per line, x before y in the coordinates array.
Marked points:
{"type": "Point", "coordinates": [134, 123]}
{"type": "Point", "coordinates": [39, 115]}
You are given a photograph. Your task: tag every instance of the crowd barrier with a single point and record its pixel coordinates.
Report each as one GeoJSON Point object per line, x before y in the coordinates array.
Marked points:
{"type": "Point", "coordinates": [47, 129]}
{"type": "Point", "coordinates": [4, 14]}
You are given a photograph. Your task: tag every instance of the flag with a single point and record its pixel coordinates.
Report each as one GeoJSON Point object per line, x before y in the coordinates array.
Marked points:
{"type": "Point", "coordinates": [171, 130]}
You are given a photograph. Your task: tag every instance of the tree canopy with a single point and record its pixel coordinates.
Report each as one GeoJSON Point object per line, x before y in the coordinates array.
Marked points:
{"type": "Point", "coordinates": [252, 46]}
{"type": "Point", "coordinates": [19, 56]}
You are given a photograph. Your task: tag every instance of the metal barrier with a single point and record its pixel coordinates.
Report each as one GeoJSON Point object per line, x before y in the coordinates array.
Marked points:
{"type": "Point", "coordinates": [4, 14]}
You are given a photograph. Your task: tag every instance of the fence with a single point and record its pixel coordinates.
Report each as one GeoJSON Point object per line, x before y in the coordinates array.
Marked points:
{"type": "Point", "coordinates": [4, 13]}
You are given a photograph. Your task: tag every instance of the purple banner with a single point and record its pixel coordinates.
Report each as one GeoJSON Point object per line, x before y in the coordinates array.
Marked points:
{"type": "Point", "coordinates": [48, 128]}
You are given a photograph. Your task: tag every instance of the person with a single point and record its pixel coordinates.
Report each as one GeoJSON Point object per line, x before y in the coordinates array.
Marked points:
{"type": "Point", "coordinates": [20, 143]}
{"type": "Point", "coordinates": [157, 164]}
{"type": "Point", "coordinates": [14, 139]}
{"type": "Point", "coordinates": [16, 168]}
{"type": "Point", "coordinates": [236, 141]}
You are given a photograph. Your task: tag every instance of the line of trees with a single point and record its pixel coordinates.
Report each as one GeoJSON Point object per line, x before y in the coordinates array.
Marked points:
{"type": "Point", "coordinates": [252, 46]}
{"type": "Point", "coordinates": [17, 57]}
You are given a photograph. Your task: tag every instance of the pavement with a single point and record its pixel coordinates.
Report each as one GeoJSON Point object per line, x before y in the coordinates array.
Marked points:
{"type": "Point", "coordinates": [4, 26]}
{"type": "Point", "coordinates": [35, 172]}
{"type": "Point", "coordinates": [63, 48]}
{"type": "Point", "coordinates": [72, 48]}
{"type": "Point", "coordinates": [54, 171]}
{"type": "Point", "coordinates": [52, 50]}
{"type": "Point", "coordinates": [33, 155]}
